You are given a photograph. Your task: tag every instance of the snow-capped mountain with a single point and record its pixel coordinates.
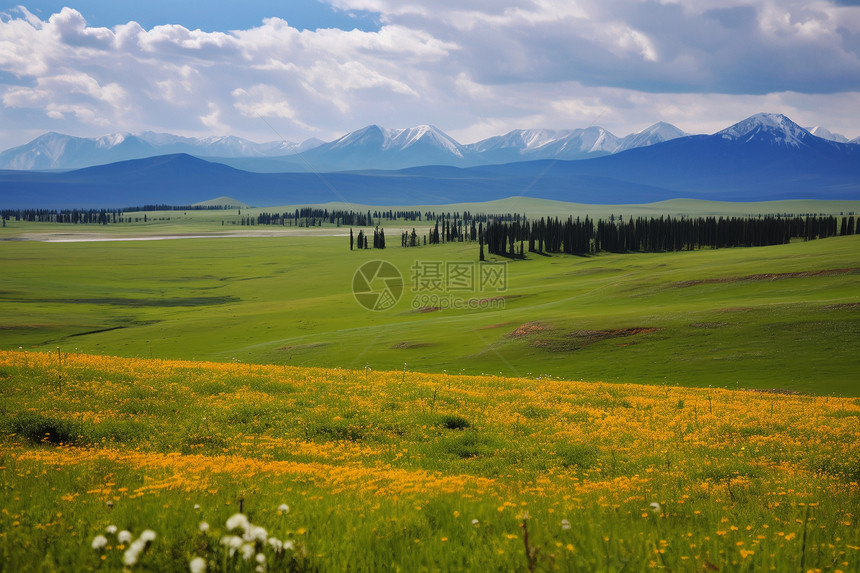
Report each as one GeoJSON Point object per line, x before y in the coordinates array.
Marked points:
{"type": "Point", "coordinates": [580, 143]}
{"type": "Point", "coordinates": [825, 133]}
{"type": "Point", "coordinates": [524, 144]}
{"type": "Point", "coordinates": [772, 128]}
{"type": "Point", "coordinates": [375, 147]}
{"type": "Point", "coordinates": [657, 133]}
{"type": "Point", "coordinates": [764, 157]}
{"type": "Point", "coordinates": [519, 139]}
{"type": "Point", "coordinates": [58, 151]}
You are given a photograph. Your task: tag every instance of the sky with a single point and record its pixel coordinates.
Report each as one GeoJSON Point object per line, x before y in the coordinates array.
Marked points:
{"type": "Point", "coordinates": [293, 70]}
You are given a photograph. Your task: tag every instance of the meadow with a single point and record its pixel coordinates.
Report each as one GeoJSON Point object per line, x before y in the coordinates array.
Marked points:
{"type": "Point", "coordinates": [784, 317]}
{"type": "Point", "coordinates": [116, 464]}
{"type": "Point", "coordinates": [227, 404]}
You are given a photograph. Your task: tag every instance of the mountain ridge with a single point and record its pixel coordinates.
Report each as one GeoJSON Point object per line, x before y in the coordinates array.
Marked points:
{"type": "Point", "coordinates": [371, 147]}
{"type": "Point", "coordinates": [762, 158]}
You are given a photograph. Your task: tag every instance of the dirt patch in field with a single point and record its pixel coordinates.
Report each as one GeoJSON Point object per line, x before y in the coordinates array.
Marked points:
{"type": "Point", "coordinates": [582, 338]}
{"type": "Point", "coordinates": [299, 347]}
{"type": "Point", "coordinates": [736, 309]}
{"type": "Point", "coordinates": [842, 306]}
{"type": "Point", "coordinates": [491, 326]}
{"type": "Point", "coordinates": [708, 324]}
{"type": "Point", "coordinates": [529, 328]}
{"type": "Point", "coordinates": [602, 334]}
{"type": "Point", "coordinates": [406, 345]}
{"type": "Point", "coordinates": [769, 277]}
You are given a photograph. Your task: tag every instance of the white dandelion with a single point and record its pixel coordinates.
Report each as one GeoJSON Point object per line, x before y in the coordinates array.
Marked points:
{"type": "Point", "coordinates": [655, 507]}
{"type": "Point", "coordinates": [124, 536]}
{"type": "Point", "coordinates": [111, 529]}
{"type": "Point", "coordinates": [133, 552]}
{"type": "Point", "coordinates": [283, 508]}
{"type": "Point", "coordinates": [99, 541]}
{"type": "Point", "coordinates": [238, 520]}
{"type": "Point", "coordinates": [565, 524]}
{"type": "Point", "coordinates": [197, 565]}
{"type": "Point", "coordinates": [256, 533]}
{"type": "Point", "coordinates": [204, 527]}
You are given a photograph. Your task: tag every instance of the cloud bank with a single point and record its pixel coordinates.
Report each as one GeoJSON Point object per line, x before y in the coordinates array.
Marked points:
{"type": "Point", "coordinates": [473, 69]}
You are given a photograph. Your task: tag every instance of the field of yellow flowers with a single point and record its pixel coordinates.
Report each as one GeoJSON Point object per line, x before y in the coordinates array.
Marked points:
{"type": "Point", "coordinates": [112, 463]}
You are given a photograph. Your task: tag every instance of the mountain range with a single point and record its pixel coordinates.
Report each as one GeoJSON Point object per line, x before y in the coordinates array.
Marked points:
{"type": "Point", "coordinates": [764, 157]}
{"type": "Point", "coordinates": [372, 147]}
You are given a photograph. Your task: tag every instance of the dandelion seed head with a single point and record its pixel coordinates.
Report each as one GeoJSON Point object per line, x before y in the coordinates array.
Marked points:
{"type": "Point", "coordinates": [111, 529]}
{"type": "Point", "coordinates": [276, 544]}
{"type": "Point", "coordinates": [261, 558]}
{"type": "Point", "coordinates": [247, 551]}
{"type": "Point", "coordinates": [655, 507]}
{"type": "Point", "coordinates": [131, 554]}
{"type": "Point", "coordinates": [129, 558]}
{"type": "Point", "coordinates": [204, 527]}
{"type": "Point", "coordinates": [565, 524]}
{"type": "Point", "coordinates": [148, 535]}
{"type": "Point", "coordinates": [124, 536]}
{"type": "Point", "coordinates": [232, 541]}
{"type": "Point", "coordinates": [289, 545]}
{"type": "Point", "coordinates": [238, 520]}
{"type": "Point", "coordinates": [475, 522]}
{"type": "Point", "coordinates": [99, 541]}
{"type": "Point", "coordinates": [197, 565]}
{"type": "Point", "coordinates": [256, 533]}
{"type": "Point", "coordinates": [283, 508]}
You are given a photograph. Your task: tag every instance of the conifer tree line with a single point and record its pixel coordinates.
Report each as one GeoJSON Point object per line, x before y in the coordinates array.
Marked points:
{"type": "Point", "coordinates": [656, 234]}
{"type": "Point", "coordinates": [515, 234]}
{"type": "Point", "coordinates": [73, 216]}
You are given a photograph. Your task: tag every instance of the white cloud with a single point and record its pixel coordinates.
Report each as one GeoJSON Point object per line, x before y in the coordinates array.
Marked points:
{"type": "Point", "coordinates": [467, 68]}
{"type": "Point", "coordinates": [263, 100]}
{"type": "Point", "coordinates": [212, 120]}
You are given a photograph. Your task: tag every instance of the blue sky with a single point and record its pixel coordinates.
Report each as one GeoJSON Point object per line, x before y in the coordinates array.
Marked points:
{"type": "Point", "coordinates": [209, 15]}
{"type": "Point", "coordinates": [471, 68]}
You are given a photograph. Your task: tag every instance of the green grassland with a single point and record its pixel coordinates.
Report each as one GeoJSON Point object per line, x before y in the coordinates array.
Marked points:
{"type": "Point", "coordinates": [784, 317]}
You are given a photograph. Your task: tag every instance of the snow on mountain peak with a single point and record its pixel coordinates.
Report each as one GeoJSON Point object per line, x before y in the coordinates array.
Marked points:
{"type": "Point", "coordinates": [388, 139]}
{"type": "Point", "coordinates": [825, 133]}
{"type": "Point", "coordinates": [111, 140]}
{"type": "Point", "coordinates": [773, 126]}
{"type": "Point", "coordinates": [404, 138]}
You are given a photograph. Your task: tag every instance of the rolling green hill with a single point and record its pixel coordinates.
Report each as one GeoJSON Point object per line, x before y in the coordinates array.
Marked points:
{"type": "Point", "coordinates": [785, 317]}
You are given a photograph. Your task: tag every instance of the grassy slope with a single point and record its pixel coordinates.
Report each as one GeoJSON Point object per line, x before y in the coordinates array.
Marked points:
{"type": "Point", "coordinates": [288, 300]}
